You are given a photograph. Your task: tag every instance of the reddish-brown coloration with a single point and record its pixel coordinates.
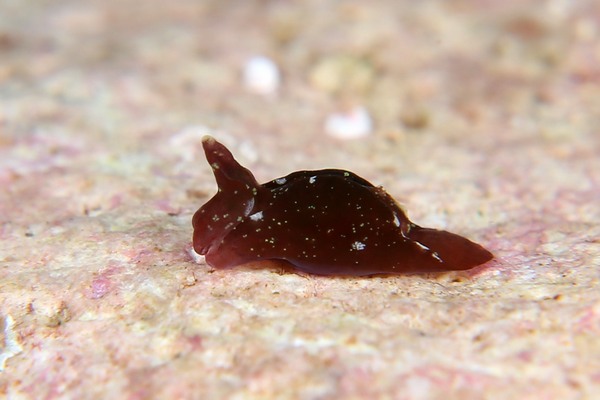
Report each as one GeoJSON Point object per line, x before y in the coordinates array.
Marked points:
{"type": "Point", "coordinates": [327, 222]}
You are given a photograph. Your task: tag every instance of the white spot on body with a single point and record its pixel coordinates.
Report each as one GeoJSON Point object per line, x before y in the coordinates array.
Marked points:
{"type": "Point", "coordinates": [249, 207]}
{"type": "Point", "coordinates": [422, 246]}
{"type": "Point", "coordinates": [280, 181]}
{"type": "Point", "coordinates": [312, 179]}
{"type": "Point", "coordinates": [396, 220]}
{"type": "Point", "coordinates": [257, 216]}
{"type": "Point", "coordinates": [433, 253]}
{"type": "Point", "coordinates": [358, 245]}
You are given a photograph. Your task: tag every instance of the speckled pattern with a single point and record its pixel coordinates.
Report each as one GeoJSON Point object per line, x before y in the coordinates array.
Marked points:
{"type": "Point", "coordinates": [323, 222]}
{"type": "Point", "coordinates": [485, 122]}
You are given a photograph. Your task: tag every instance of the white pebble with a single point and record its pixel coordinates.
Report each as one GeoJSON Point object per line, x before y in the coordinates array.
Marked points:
{"type": "Point", "coordinates": [198, 258]}
{"type": "Point", "coordinates": [11, 346]}
{"type": "Point", "coordinates": [353, 124]}
{"type": "Point", "coordinates": [261, 75]}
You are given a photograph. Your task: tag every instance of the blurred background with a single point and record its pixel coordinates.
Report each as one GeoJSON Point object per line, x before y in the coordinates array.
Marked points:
{"type": "Point", "coordinates": [460, 68]}
{"type": "Point", "coordinates": [480, 116]}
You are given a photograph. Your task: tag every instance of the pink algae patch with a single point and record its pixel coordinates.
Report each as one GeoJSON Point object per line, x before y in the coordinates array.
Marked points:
{"type": "Point", "coordinates": [590, 321]}
{"type": "Point", "coordinates": [100, 287]}
{"type": "Point", "coordinates": [102, 284]}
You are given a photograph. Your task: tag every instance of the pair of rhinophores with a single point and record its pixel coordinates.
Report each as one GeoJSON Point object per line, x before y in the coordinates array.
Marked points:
{"type": "Point", "coordinates": [325, 222]}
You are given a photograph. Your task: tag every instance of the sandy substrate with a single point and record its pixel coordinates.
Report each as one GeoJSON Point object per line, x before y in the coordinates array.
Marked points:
{"type": "Point", "coordinates": [486, 121]}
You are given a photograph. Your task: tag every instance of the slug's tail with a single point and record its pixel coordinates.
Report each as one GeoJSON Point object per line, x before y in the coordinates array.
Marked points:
{"type": "Point", "coordinates": [455, 252]}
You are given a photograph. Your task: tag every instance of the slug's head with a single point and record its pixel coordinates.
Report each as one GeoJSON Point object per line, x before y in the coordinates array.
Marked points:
{"type": "Point", "coordinates": [233, 202]}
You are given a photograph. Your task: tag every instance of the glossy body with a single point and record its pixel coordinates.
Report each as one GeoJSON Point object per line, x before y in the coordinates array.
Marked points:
{"type": "Point", "coordinates": [326, 222]}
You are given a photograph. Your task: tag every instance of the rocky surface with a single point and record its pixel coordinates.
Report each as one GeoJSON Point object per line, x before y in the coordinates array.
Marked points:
{"type": "Point", "coordinates": [484, 122]}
